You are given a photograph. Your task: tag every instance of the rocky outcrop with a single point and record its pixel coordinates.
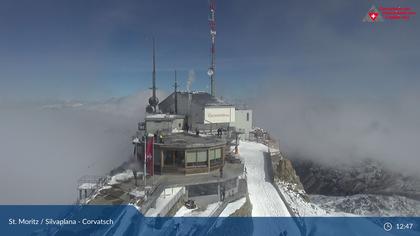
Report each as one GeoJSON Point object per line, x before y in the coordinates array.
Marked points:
{"type": "Point", "coordinates": [364, 177]}
{"type": "Point", "coordinates": [286, 173]}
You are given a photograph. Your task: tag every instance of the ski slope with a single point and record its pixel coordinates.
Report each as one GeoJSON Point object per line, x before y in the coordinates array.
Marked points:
{"type": "Point", "coordinates": [264, 197]}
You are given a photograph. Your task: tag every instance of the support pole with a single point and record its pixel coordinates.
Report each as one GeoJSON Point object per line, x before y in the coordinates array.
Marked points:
{"type": "Point", "coordinates": [144, 161]}
{"type": "Point", "coordinates": [208, 160]}
{"type": "Point", "coordinates": [153, 163]}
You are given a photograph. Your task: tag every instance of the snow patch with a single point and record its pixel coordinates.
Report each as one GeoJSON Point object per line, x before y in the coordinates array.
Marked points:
{"type": "Point", "coordinates": [137, 193]}
{"type": "Point", "coordinates": [210, 209]}
{"type": "Point", "coordinates": [121, 177]}
{"type": "Point", "coordinates": [297, 203]}
{"type": "Point", "coordinates": [232, 207]}
{"type": "Point", "coordinates": [370, 205]}
{"type": "Point", "coordinates": [166, 201]}
{"type": "Point", "coordinates": [88, 186]}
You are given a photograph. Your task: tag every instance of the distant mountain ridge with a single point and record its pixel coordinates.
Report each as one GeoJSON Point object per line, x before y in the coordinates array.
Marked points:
{"type": "Point", "coordinates": [369, 205]}
{"type": "Point", "coordinates": [362, 177]}
{"type": "Point", "coordinates": [362, 188]}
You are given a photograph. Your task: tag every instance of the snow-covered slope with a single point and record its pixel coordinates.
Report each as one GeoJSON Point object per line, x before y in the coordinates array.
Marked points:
{"type": "Point", "coordinates": [296, 200]}
{"type": "Point", "coordinates": [361, 187]}
{"type": "Point", "coordinates": [264, 198]}
{"type": "Point", "coordinates": [369, 205]}
{"type": "Point", "coordinates": [232, 207]}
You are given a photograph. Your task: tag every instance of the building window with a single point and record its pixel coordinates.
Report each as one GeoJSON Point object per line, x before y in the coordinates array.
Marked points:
{"type": "Point", "coordinates": [191, 157]}
{"type": "Point", "coordinates": [247, 116]}
{"type": "Point", "coordinates": [215, 156]}
{"type": "Point", "coordinates": [202, 156]}
{"type": "Point", "coordinates": [196, 158]}
{"type": "Point", "coordinates": [211, 154]}
{"type": "Point", "coordinates": [218, 153]}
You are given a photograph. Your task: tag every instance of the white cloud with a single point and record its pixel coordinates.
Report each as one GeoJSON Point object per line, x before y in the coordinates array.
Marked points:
{"type": "Point", "coordinates": [45, 151]}
{"type": "Point", "coordinates": [335, 130]}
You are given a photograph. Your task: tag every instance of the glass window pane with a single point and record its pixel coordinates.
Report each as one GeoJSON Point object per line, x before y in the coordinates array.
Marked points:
{"type": "Point", "coordinates": [218, 153]}
{"type": "Point", "coordinates": [191, 157]}
{"type": "Point", "coordinates": [211, 154]}
{"type": "Point", "coordinates": [202, 156]}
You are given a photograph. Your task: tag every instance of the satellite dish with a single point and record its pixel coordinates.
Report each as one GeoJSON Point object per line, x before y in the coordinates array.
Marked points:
{"type": "Point", "coordinates": [210, 72]}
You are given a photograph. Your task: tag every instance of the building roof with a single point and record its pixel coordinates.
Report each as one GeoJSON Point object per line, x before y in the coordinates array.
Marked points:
{"type": "Point", "coordinates": [168, 117]}
{"type": "Point", "coordinates": [184, 140]}
{"type": "Point", "coordinates": [198, 97]}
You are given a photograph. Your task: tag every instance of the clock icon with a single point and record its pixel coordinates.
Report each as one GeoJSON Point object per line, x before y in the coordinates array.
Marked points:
{"type": "Point", "coordinates": [387, 226]}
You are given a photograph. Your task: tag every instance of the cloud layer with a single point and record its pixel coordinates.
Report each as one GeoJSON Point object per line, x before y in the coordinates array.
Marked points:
{"type": "Point", "coordinates": [46, 149]}
{"type": "Point", "coordinates": [333, 130]}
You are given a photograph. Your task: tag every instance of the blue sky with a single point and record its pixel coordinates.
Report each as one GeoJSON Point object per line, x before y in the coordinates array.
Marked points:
{"type": "Point", "coordinates": [96, 49]}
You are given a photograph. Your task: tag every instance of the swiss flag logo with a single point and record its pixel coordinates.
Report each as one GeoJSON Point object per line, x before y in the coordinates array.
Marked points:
{"type": "Point", "coordinates": [373, 15]}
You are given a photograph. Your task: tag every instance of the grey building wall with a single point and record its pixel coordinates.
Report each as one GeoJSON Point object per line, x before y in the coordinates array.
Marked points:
{"type": "Point", "coordinates": [192, 106]}
{"type": "Point", "coordinates": [154, 126]}
{"type": "Point", "coordinates": [164, 125]}
{"type": "Point", "coordinates": [178, 124]}
{"type": "Point", "coordinates": [194, 112]}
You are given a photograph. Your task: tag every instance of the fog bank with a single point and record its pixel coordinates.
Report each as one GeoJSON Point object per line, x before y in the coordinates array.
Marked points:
{"type": "Point", "coordinates": [335, 130]}
{"type": "Point", "coordinates": [45, 149]}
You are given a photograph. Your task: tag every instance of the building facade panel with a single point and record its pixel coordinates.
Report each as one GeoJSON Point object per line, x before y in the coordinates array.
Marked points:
{"type": "Point", "coordinates": [243, 122]}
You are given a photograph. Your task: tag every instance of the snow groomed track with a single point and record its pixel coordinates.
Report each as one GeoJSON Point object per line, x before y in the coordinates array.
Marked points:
{"type": "Point", "coordinates": [264, 198]}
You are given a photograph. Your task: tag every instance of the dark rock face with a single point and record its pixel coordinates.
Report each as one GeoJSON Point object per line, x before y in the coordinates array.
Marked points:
{"type": "Point", "coordinates": [366, 176]}
{"type": "Point", "coordinates": [285, 172]}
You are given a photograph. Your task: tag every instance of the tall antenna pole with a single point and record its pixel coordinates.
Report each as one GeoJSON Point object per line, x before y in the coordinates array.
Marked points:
{"type": "Point", "coordinates": [153, 101]}
{"type": "Point", "coordinates": [154, 72]}
{"type": "Point", "coordinates": [176, 94]}
{"type": "Point", "coordinates": [212, 23]}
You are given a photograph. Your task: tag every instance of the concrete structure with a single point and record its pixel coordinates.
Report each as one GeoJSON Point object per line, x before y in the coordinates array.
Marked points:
{"type": "Point", "coordinates": [87, 185]}
{"type": "Point", "coordinates": [201, 110]}
{"type": "Point", "coordinates": [184, 153]}
{"type": "Point", "coordinates": [163, 123]}
{"type": "Point", "coordinates": [179, 151]}
{"type": "Point", "coordinates": [243, 122]}
{"type": "Point", "coordinates": [203, 188]}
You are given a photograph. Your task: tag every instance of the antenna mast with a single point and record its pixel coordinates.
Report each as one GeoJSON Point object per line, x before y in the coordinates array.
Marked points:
{"type": "Point", "coordinates": [154, 71]}
{"type": "Point", "coordinates": [176, 94]}
{"type": "Point", "coordinates": [212, 24]}
{"type": "Point", "coordinates": [153, 100]}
